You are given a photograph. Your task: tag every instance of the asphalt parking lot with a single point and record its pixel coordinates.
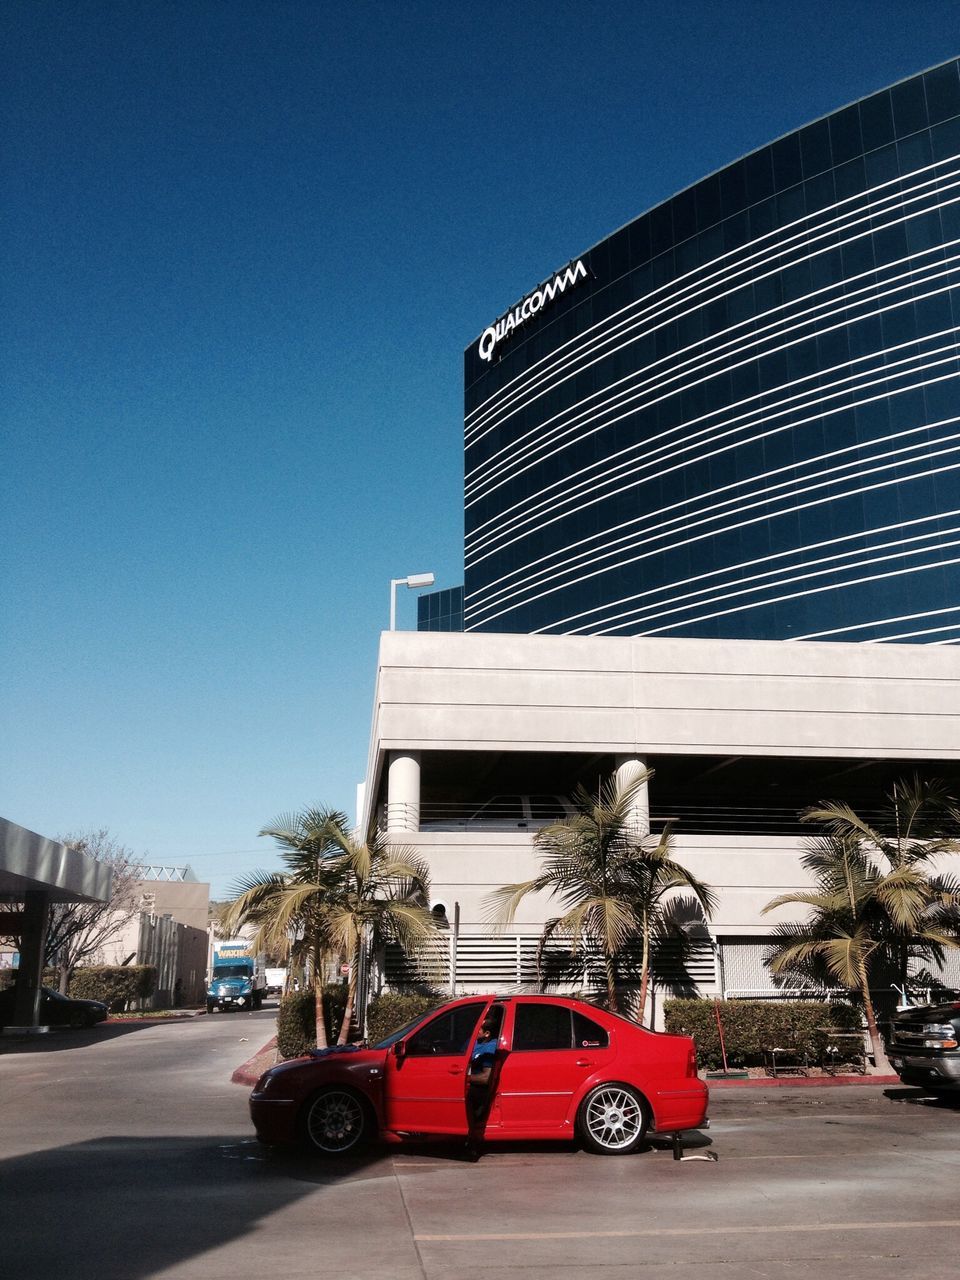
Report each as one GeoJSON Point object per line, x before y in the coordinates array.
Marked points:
{"type": "Point", "coordinates": [127, 1153]}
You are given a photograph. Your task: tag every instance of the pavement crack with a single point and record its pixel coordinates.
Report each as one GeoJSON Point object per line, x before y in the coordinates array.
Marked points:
{"type": "Point", "coordinates": [413, 1235]}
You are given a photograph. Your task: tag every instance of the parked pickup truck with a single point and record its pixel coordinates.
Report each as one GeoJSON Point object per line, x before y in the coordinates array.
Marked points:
{"type": "Point", "coordinates": [924, 1047]}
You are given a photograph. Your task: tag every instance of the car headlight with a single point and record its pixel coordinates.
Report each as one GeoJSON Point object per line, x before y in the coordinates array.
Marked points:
{"type": "Point", "coordinates": [268, 1083]}
{"type": "Point", "coordinates": [945, 1032]}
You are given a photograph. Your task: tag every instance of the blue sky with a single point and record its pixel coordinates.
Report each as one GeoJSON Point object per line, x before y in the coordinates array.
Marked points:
{"type": "Point", "coordinates": [242, 248]}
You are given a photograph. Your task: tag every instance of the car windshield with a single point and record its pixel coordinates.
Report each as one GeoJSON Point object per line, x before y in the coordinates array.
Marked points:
{"type": "Point", "coordinates": [231, 971]}
{"type": "Point", "coordinates": [394, 1036]}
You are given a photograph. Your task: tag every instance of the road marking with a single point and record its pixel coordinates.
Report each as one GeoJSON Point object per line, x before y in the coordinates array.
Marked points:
{"type": "Point", "coordinates": [693, 1231]}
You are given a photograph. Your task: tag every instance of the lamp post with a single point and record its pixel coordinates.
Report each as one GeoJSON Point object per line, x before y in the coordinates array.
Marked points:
{"type": "Point", "coordinates": [414, 580]}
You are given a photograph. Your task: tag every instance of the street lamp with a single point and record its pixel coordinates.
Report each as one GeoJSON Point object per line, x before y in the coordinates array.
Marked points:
{"type": "Point", "coordinates": [414, 580]}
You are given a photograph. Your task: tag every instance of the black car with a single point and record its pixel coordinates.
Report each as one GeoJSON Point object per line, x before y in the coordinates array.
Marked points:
{"type": "Point", "coordinates": [924, 1047]}
{"type": "Point", "coordinates": [56, 1010]}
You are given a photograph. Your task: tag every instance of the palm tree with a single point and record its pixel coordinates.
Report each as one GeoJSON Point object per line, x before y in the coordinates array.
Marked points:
{"type": "Point", "coordinates": [611, 880]}
{"type": "Point", "coordinates": [382, 896]}
{"type": "Point", "coordinates": [919, 824]}
{"type": "Point", "coordinates": [291, 908]}
{"type": "Point", "coordinates": [853, 907]}
{"type": "Point", "coordinates": [335, 894]}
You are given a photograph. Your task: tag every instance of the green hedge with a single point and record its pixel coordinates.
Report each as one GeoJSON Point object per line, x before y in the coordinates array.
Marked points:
{"type": "Point", "coordinates": [752, 1026]}
{"type": "Point", "coordinates": [388, 1012]}
{"type": "Point", "coordinates": [297, 1019]}
{"type": "Point", "coordinates": [116, 985]}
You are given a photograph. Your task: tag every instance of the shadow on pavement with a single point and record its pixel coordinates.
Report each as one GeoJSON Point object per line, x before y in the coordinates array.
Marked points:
{"type": "Point", "coordinates": [924, 1098]}
{"type": "Point", "coordinates": [129, 1208]}
{"type": "Point", "coordinates": [60, 1038]}
{"type": "Point", "coordinates": [306, 1166]}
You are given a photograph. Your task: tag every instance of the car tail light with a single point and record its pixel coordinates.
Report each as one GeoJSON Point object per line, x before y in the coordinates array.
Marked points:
{"type": "Point", "coordinates": [692, 1061]}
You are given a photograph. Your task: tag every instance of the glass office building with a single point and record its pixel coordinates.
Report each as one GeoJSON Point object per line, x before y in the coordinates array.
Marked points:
{"type": "Point", "coordinates": [739, 415]}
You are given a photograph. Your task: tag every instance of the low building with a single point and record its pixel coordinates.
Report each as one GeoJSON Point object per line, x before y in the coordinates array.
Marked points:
{"type": "Point", "coordinates": [169, 931]}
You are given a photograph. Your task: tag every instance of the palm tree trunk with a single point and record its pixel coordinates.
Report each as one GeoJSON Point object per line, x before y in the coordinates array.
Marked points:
{"type": "Point", "coordinates": [611, 985]}
{"type": "Point", "coordinates": [317, 960]}
{"type": "Point", "coordinates": [644, 972]}
{"type": "Point", "coordinates": [881, 1061]}
{"type": "Point", "coordinates": [351, 997]}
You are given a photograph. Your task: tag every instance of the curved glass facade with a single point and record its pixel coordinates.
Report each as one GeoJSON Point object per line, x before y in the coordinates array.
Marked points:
{"type": "Point", "coordinates": [742, 418]}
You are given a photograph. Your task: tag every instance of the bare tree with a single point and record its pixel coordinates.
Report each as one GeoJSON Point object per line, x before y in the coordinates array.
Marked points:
{"type": "Point", "coordinates": [79, 931]}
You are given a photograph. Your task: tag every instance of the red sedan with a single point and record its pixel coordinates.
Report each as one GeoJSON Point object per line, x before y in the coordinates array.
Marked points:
{"type": "Point", "coordinates": [492, 1069]}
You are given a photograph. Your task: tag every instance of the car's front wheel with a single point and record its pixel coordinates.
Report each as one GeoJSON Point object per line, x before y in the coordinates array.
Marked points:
{"type": "Point", "coordinates": [612, 1119]}
{"type": "Point", "coordinates": [335, 1122]}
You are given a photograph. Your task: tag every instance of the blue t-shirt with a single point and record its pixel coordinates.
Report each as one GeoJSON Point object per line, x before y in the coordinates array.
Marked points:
{"type": "Point", "coordinates": [484, 1052]}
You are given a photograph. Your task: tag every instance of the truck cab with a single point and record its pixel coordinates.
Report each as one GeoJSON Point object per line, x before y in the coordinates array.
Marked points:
{"type": "Point", "coordinates": [238, 978]}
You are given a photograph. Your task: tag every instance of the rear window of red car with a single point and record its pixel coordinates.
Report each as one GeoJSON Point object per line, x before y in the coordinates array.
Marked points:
{"type": "Point", "coordinates": [554, 1026]}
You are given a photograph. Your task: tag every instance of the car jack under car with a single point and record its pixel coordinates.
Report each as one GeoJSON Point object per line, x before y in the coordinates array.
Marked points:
{"type": "Point", "coordinates": [676, 1144]}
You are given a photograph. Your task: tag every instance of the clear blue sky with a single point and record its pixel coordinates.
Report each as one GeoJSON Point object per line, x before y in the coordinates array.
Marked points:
{"type": "Point", "coordinates": [242, 247]}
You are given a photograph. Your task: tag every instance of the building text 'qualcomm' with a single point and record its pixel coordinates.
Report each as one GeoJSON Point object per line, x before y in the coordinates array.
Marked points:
{"type": "Point", "coordinates": [529, 307]}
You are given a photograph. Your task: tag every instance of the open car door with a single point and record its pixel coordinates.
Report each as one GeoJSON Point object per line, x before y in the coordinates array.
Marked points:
{"type": "Point", "coordinates": [425, 1090]}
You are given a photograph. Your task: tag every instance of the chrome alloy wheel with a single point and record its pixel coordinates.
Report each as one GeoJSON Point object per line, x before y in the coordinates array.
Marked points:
{"type": "Point", "coordinates": [613, 1119]}
{"type": "Point", "coordinates": [335, 1122]}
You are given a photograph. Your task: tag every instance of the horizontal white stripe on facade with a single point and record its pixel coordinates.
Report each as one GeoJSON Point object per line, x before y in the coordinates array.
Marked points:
{"type": "Point", "coordinates": [647, 531]}
{"type": "Point", "coordinates": [812, 568]}
{"type": "Point", "coordinates": [779, 559]}
{"type": "Point", "coordinates": [799, 573]}
{"type": "Point", "coordinates": [787, 511]}
{"type": "Point", "coordinates": [722, 263]}
{"type": "Point", "coordinates": [644, 530]}
{"type": "Point", "coordinates": [776, 318]}
{"type": "Point", "coordinates": [674, 379]}
{"type": "Point", "coordinates": [781, 599]}
{"type": "Point", "coordinates": [531, 513]}
{"type": "Point", "coordinates": [887, 622]}
{"type": "Point", "coordinates": [746, 258]}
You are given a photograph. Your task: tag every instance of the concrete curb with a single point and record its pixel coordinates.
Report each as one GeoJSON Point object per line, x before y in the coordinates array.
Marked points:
{"type": "Point", "coordinates": [249, 1072]}
{"type": "Point", "coordinates": [799, 1082]}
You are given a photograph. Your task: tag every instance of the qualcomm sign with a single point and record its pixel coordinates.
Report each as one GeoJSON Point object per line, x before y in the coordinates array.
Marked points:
{"type": "Point", "coordinates": [529, 307]}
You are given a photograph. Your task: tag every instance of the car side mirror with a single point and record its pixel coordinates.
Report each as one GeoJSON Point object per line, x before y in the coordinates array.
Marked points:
{"type": "Point", "coordinates": [400, 1050]}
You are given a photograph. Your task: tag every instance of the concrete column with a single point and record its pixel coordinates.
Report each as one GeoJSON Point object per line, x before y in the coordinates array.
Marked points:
{"type": "Point", "coordinates": [36, 918]}
{"type": "Point", "coordinates": [403, 791]}
{"type": "Point", "coordinates": [627, 768]}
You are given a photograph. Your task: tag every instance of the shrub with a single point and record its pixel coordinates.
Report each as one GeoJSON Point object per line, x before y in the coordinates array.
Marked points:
{"type": "Point", "coordinates": [297, 1019]}
{"type": "Point", "coordinates": [387, 1013]}
{"type": "Point", "coordinates": [115, 985]}
{"type": "Point", "coordinates": [750, 1027]}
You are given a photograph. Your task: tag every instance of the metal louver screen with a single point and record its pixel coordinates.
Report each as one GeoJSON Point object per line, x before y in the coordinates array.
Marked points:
{"type": "Point", "coordinates": [686, 973]}
{"type": "Point", "coordinates": [948, 972]}
{"type": "Point", "coordinates": [950, 969]}
{"type": "Point", "coordinates": [430, 966]}
{"type": "Point", "coordinates": [744, 972]}
{"type": "Point", "coordinates": [498, 962]}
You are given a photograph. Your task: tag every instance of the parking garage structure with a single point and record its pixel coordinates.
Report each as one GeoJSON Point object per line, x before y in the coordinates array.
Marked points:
{"type": "Point", "coordinates": [479, 740]}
